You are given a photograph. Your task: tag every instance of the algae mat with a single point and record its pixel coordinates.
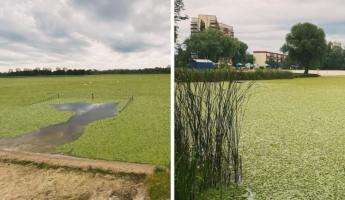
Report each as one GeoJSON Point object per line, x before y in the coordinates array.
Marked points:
{"type": "Point", "coordinates": [293, 139]}
{"type": "Point", "coordinates": [140, 133]}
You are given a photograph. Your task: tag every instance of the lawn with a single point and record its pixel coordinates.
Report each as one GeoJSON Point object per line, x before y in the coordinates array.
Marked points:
{"type": "Point", "coordinates": [140, 133]}
{"type": "Point", "coordinates": [293, 139]}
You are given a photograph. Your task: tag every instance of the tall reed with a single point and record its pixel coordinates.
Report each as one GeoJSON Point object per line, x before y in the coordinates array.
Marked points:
{"type": "Point", "coordinates": [208, 118]}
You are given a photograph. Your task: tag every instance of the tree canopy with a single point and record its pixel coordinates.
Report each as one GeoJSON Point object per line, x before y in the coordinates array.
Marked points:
{"type": "Point", "coordinates": [202, 26]}
{"type": "Point", "coordinates": [305, 44]}
{"type": "Point", "coordinates": [240, 55]}
{"type": "Point", "coordinates": [334, 57]}
{"type": "Point", "coordinates": [214, 45]}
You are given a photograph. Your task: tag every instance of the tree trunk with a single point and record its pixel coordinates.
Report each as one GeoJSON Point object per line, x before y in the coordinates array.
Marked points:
{"type": "Point", "coordinates": [306, 70]}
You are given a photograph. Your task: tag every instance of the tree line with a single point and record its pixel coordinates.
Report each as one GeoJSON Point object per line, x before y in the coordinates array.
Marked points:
{"type": "Point", "coordinates": [305, 45]}
{"type": "Point", "coordinates": [334, 57]}
{"type": "Point", "coordinates": [47, 72]}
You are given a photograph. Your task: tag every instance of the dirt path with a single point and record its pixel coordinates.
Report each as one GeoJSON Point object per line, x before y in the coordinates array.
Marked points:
{"type": "Point", "coordinates": [73, 162]}
{"type": "Point", "coordinates": [45, 176]}
{"type": "Point", "coordinates": [323, 72]}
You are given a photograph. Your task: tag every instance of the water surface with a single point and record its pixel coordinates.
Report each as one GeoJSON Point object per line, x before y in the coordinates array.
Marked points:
{"type": "Point", "coordinates": [46, 139]}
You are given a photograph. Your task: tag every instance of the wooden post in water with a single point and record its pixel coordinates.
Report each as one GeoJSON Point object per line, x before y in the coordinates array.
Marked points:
{"type": "Point", "coordinates": [92, 96]}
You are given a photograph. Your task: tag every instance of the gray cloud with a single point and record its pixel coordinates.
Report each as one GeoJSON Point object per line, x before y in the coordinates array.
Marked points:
{"type": "Point", "coordinates": [128, 46]}
{"type": "Point", "coordinates": [264, 24]}
{"type": "Point", "coordinates": [105, 9]}
{"type": "Point", "coordinates": [84, 33]}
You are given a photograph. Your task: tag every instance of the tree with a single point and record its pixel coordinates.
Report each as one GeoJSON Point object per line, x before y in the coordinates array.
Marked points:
{"type": "Point", "coordinates": [212, 44]}
{"type": "Point", "coordinates": [287, 62]}
{"type": "Point", "coordinates": [202, 26]}
{"type": "Point", "coordinates": [178, 16]}
{"type": "Point", "coordinates": [306, 45]}
{"type": "Point", "coordinates": [240, 55]}
{"type": "Point", "coordinates": [181, 57]}
{"type": "Point", "coordinates": [334, 58]}
{"type": "Point", "coordinates": [250, 58]}
{"type": "Point", "coordinates": [272, 63]}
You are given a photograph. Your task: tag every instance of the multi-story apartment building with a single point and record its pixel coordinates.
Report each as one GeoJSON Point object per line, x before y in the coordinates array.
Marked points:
{"type": "Point", "coordinates": [226, 29]}
{"type": "Point", "coordinates": [262, 57]}
{"type": "Point", "coordinates": [204, 22]}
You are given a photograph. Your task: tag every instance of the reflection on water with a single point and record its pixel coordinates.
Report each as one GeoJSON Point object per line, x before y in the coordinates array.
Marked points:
{"type": "Point", "coordinates": [47, 139]}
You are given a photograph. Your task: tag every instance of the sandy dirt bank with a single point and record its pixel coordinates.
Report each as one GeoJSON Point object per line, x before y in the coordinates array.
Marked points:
{"type": "Point", "coordinates": [43, 176]}
{"type": "Point", "coordinates": [323, 72]}
{"type": "Point", "coordinates": [20, 182]}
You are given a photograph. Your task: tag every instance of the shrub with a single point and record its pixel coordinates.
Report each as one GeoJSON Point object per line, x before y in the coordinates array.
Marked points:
{"type": "Point", "coordinates": [214, 75]}
{"type": "Point", "coordinates": [302, 75]}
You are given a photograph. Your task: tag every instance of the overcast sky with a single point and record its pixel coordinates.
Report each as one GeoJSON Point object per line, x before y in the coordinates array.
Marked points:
{"type": "Point", "coordinates": [84, 33]}
{"type": "Point", "coordinates": [263, 24]}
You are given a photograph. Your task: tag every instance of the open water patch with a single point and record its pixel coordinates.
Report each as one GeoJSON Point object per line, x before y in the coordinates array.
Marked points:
{"type": "Point", "coordinates": [45, 140]}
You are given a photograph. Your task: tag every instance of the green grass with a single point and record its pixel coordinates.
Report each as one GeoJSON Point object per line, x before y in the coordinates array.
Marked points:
{"type": "Point", "coordinates": [138, 134]}
{"type": "Point", "coordinates": [158, 184]}
{"type": "Point", "coordinates": [293, 139]}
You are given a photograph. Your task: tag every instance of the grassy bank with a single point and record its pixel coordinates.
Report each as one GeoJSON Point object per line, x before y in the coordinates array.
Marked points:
{"type": "Point", "coordinates": [293, 139]}
{"type": "Point", "coordinates": [158, 184]}
{"type": "Point", "coordinates": [138, 134]}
